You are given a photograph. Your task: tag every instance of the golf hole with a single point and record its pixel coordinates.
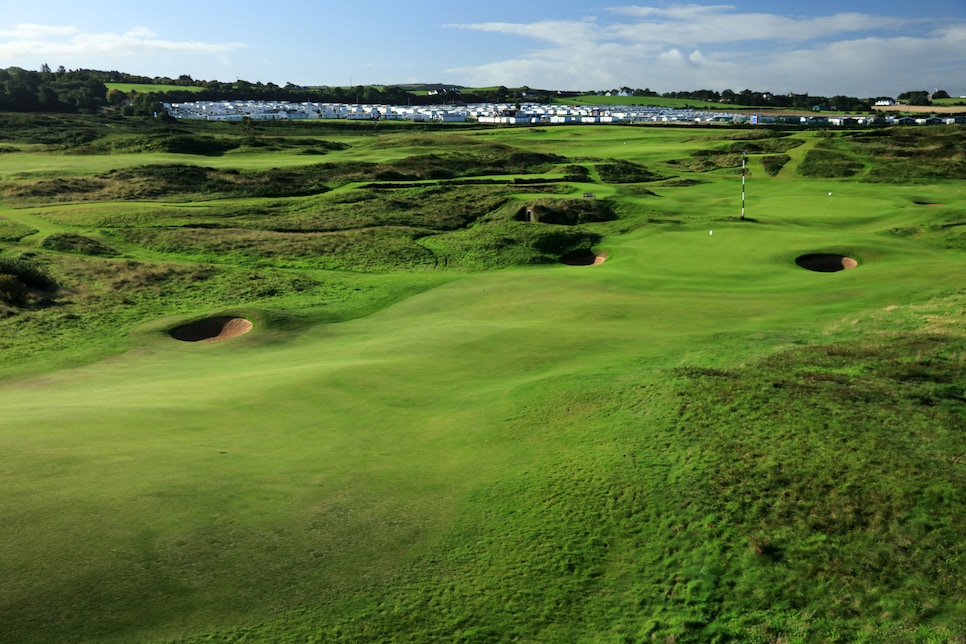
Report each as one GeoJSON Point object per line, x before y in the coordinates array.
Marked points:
{"type": "Point", "coordinates": [583, 258]}
{"type": "Point", "coordinates": [212, 329]}
{"type": "Point", "coordinates": [826, 262]}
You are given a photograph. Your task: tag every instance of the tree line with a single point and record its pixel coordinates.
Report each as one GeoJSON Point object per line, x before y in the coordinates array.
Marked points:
{"type": "Point", "coordinates": [50, 91]}
{"type": "Point", "coordinates": [804, 101]}
{"type": "Point", "coordinates": [85, 91]}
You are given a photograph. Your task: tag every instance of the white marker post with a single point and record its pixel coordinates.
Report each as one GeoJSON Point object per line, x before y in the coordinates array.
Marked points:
{"type": "Point", "coordinates": [744, 155]}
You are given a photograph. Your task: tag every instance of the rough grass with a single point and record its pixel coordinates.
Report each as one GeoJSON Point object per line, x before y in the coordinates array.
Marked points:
{"type": "Point", "coordinates": [711, 160]}
{"type": "Point", "coordinates": [189, 181]}
{"type": "Point", "coordinates": [74, 243]}
{"type": "Point", "coordinates": [373, 249]}
{"type": "Point", "coordinates": [913, 155]}
{"type": "Point", "coordinates": [568, 212]}
{"type": "Point", "coordinates": [11, 231]}
{"type": "Point", "coordinates": [828, 164]}
{"type": "Point", "coordinates": [773, 163]}
{"type": "Point", "coordinates": [766, 145]}
{"type": "Point", "coordinates": [13, 291]}
{"type": "Point", "coordinates": [32, 273]}
{"type": "Point", "coordinates": [625, 172]}
{"type": "Point", "coordinates": [175, 182]}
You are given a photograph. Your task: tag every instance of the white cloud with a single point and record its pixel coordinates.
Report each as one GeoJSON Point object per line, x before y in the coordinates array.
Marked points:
{"type": "Point", "coordinates": [31, 32]}
{"type": "Point", "coordinates": [697, 58]}
{"type": "Point", "coordinates": [680, 11]}
{"type": "Point", "coordinates": [693, 46]}
{"type": "Point", "coordinates": [674, 56]}
{"type": "Point", "coordinates": [64, 42]}
{"type": "Point", "coordinates": [736, 28]}
{"type": "Point", "coordinates": [717, 24]}
{"type": "Point", "coordinates": [555, 31]}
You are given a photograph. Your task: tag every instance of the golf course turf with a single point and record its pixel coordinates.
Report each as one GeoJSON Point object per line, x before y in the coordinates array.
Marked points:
{"type": "Point", "coordinates": [425, 424]}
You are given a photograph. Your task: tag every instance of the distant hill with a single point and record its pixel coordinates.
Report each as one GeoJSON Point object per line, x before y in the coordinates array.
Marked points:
{"type": "Point", "coordinates": [426, 87]}
{"type": "Point", "coordinates": [88, 91]}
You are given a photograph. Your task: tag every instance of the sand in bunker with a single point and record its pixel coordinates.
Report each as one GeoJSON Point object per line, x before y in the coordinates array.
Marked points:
{"type": "Point", "coordinates": [212, 329]}
{"type": "Point", "coordinates": [585, 258]}
{"type": "Point", "coordinates": [826, 262]}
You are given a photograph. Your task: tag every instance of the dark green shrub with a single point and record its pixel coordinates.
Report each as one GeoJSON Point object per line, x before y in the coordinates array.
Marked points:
{"type": "Point", "coordinates": [74, 243]}
{"type": "Point", "coordinates": [12, 290]}
{"type": "Point", "coordinates": [774, 163]}
{"type": "Point", "coordinates": [620, 171]}
{"type": "Point", "coordinates": [193, 144]}
{"type": "Point", "coordinates": [568, 212]}
{"type": "Point", "coordinates": [30, 273]}
{"type": "Point", "coordinates": [576, 173]}
{"type": "Point", "coordinates": [826, 164]}
{"type": "Point", "coordinates": [765, 146]}
{"type": "Point", "coordinates": [711, 160]}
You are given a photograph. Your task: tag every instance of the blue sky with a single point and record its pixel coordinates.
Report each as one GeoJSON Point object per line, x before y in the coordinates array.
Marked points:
{"type": "Point", "coordinates": [859, 48]}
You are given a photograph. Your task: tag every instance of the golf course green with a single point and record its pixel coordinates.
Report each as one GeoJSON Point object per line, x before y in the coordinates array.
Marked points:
{"type": "Point", "coordinates": [401, 414]}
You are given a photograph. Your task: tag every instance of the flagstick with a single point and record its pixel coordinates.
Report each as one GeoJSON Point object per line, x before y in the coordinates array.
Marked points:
{"type": "Point", "coordinates": [743, 157]}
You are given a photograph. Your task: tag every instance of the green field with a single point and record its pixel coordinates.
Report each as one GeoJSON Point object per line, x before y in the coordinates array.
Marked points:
{"type": "Point", "coordinates": [656, 101]}
{"type": "Point", "coordinates": [147, 88]}
{"type": "Point", "coordinates": [438, 429]}
{"type": "Point", "coordinates": [954, 100]}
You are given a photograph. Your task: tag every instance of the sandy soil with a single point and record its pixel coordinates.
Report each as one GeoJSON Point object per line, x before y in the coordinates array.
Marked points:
{"type": "Point", "coordinates": [586, 260]}
{"type": "Point", "coordinates": [928, 109]}
{"type": "Point", "coordinates": [826, 262]}
{"type": "Point", "coordinates": [212, 329]}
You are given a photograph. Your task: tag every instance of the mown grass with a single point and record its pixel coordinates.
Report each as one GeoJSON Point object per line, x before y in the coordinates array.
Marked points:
{"type": "Point", "coordinates": [435, 431]}
{"type": "Point", "coordinates": [674, 530]}
{"type": "Point", "coordinates": [655, 101]}
{"type": "Point", "coordinates": [950, 101]}
{"type": "Point", "coordinates": [148, 88]}
{"type": "Point", "coordinates": [12, 231]}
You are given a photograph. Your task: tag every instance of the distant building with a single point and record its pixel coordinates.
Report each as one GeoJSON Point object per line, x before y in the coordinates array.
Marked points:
{"type": "Point", "coordinates": [527, 113]}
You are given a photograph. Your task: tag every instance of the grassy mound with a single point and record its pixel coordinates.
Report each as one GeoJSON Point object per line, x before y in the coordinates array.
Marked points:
{"type": "Point", "coordinates": [11, 231]}
{"type": "Point", "coordinates": [12, 290]}
{"type": "Point", "coordinates": [569, 212]}
{"type": "Point", "coordinates": [620, 171]}
{"type": "Point", "coordinates": [74, 243]}
{"type": "Point", "coordinates": [773, 163]}
{"type": "Point", "coordinates": [828, 164]}
{"type": "Point", "coordinates": [31, 273]}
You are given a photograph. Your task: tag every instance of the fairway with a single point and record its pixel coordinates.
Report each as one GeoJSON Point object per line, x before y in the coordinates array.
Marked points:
{"type": "Point", "coordinates": [407, 420]}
